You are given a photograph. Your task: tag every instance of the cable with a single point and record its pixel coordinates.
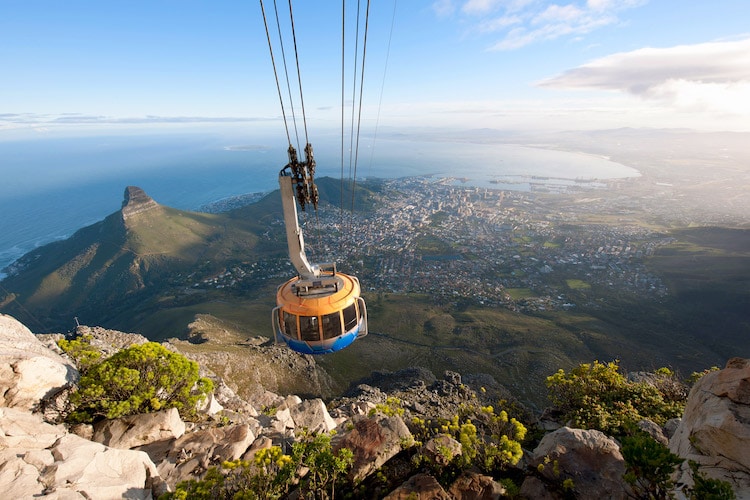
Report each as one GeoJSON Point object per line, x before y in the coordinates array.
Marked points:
{"type": "Point", "coordinates": [361, 91]}
{"type": "Point", "coordinates": [299, 75]}
{"type": "Point", "coordinates": [343, 65]}
{"type": "Point", "coordinates": [275, 74]}
{"type": "Point", "coordinates": [286, 74]}
{"type": "Point", "coordinates": [382, 86]}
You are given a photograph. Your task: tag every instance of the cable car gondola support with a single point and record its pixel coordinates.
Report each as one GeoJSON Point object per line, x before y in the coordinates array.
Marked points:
{"type": "Point", "coordinates": [319, 311]}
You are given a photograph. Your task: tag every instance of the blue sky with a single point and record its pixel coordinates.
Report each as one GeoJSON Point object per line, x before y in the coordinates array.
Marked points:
{"type": "Point", "coordinates": [510, 64]}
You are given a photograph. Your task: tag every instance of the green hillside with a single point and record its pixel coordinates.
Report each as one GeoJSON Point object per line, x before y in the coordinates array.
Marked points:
{"type": "Point", "coordinates": [120, 265]}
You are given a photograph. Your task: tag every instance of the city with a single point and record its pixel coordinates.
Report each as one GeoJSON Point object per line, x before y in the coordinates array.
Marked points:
{"type": "Point", "coordinates": [516, 249]}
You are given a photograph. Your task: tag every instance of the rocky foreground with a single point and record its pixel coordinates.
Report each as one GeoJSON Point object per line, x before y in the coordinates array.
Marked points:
{"type": "Point", "coordinates": [145, 456]}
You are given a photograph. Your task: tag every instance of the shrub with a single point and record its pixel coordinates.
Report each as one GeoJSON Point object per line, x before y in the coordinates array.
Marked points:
{"type": "Point", "coordinates": [80, 350]}
{"type": "Point", "coordinates": [706, 488]}
{"type": "Point", "coordinates": [489, 440]}
{"type": "Point", "coordinates": [598, 396]}
{"type": "Point", "coordinates": [649, 465]}
{"type": "Point", "coordinates": [312, 465]}
{"type": "Point", "coordinates": [140, 379]}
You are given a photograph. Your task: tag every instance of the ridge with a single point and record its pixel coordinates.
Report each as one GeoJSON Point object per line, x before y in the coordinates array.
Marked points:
{"type": "Point", "coordinates": [136, 201]}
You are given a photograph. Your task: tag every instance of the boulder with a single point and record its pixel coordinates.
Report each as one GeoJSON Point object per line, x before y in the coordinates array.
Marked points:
{"type": "Point", "coordinates": [138, 430]}
{"type": "Point", "coordinates": [373, 441]}
{"type": "Point", "coordinates": [441, 449]}
{"type": "Point", "coordinates": [22, 430]}
{"type": "Point", "coordinates": [312, 415]}
{"type": "Point", "coordinates": [38, 459]}
{"type": "Point", "coordinates": [29, 372]}
{"type": "Point", "coordinates": [97, 471]}
{"type": "Point", "coordinates": [419, 487]}
{"type": "Point", "coordinates": [473, 486]}
{"type": "Point", "coordinates": [715, 428]}
{"type": "Point", "coordinates": [654, 430]}
{"type": "Point", "coordinates": [590, 458]}
{"type": "Point", "coordinates": [191, 455]}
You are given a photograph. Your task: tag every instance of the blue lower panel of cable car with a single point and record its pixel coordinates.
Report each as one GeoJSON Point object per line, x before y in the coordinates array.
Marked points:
{"type": "Point", "coordinates": [321, 346]}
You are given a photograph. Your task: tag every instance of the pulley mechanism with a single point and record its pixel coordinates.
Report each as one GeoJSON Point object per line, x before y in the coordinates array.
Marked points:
{"type": "Point", "coordinates": [319, 311]}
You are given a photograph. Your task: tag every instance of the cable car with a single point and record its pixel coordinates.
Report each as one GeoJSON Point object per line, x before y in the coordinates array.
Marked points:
{"type": "Point", "coordinates": [320, 311]}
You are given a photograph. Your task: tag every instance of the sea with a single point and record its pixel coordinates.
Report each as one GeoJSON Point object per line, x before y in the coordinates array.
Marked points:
{"type": "Point", "coordinates": [52, 186]}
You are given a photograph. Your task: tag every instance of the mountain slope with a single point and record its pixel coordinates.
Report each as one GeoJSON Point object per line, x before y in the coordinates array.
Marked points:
{"type": "Point", "coordinates": [123, 258]}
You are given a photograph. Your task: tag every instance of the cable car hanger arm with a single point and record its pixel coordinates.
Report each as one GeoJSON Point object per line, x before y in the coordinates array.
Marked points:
{"type": "Point", "coordinates": [297, 185]}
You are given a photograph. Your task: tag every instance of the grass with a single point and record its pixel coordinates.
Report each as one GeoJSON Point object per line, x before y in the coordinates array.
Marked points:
{"type": "Point", "coordinates": [519, 293]}
{"type": "Point", "coordinates": [518, 350]}
{"type": "Point", "coordinates": [574, 284]}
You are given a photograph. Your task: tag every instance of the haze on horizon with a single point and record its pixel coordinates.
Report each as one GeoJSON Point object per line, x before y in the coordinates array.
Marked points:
{"type": "Point", "coordinates": [99, 67]}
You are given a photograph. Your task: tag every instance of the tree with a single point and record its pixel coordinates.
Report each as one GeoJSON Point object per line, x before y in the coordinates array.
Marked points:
{"type": "Point", "coordinates": [140, 379]}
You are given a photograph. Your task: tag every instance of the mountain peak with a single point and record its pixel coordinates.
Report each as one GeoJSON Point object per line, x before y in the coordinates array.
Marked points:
{"type": "Point", "coordinates": [136, 201]}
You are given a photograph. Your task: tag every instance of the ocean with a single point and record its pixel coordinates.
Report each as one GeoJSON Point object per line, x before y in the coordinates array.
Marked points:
{"type": "Point", "coordinates": [53, 186]}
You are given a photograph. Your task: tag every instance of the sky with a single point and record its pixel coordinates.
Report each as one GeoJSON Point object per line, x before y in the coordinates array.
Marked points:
{"type": "Point", "coordinates": [84, 66]}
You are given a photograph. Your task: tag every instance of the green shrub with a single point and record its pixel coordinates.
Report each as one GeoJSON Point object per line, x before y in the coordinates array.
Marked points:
{"type": "Point", "coordinates": [649, 465]}
{"type": "Point", "coordinates": [489, 440]}
{"type": "Point", "coordinates": [706, 488]}
{"type": "Point", "coordinates": [326, 468]}
{"type": "Point", "coordinates": [312, 465]}
{"type": "Point", "coordinates": [598, 396]}
{"type": "Point", "coordinates": [140, 379]}
{"type": "Point", "coordinates": [80, 350]}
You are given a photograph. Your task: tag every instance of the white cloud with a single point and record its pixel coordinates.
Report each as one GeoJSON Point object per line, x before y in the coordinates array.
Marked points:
{"type": "Point", "coordinates": [523, 22]}
{"type": "Point", "coordinates": [712, 76]}
{"type": "Point", "coordinates": [443, 8]}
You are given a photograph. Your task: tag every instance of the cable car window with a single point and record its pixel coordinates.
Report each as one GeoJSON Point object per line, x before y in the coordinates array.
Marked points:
{"type": "Point", "coordinates": [308, 328]}
{"type": "Point", "coordinates": [350, 318]}
{"type": "Point", "coordinates": [331, 325]}
{"type": "Point", "coordinates": [290, 324]}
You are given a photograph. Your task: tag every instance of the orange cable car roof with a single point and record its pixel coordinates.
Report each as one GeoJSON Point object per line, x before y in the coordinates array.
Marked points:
{"type": "Point", "coordinates": [318, 304]}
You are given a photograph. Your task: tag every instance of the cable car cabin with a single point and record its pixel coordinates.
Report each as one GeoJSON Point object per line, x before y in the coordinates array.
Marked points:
{"type": "Point", "coordinates": [319, 319]}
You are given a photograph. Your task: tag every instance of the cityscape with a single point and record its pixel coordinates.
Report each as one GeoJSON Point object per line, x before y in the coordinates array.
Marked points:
{"type": "Point", "coordinates": [425, 235]}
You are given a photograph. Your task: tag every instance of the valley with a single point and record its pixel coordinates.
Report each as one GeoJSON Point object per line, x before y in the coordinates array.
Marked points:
{"type": "Point", "coordinates": [504, 287]}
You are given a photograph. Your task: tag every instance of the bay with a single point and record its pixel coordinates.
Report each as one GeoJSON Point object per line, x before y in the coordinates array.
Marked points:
{"type": "Point", "coordinates": [52, 187]}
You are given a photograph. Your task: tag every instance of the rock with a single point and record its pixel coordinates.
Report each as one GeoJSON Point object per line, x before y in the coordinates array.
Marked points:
{"type": "Point", "coordinates": [210, 406]}
{"type": "Point", "coordinates": [18, 477]}
{"type": "Point", "coordinates": [419, 487]}
{"type": "Point", "coordinates": [107, 341]}
{"type": "Point", "coordinates": [191, 455]}
{"type": "Point", "coordinates": [715, 428]}
{"type": "Point", "coordinates": [373, 441]}
{"type": "Point", "coordinates": [97, 471]}
{"type": "Point", "coordinates": [39, 459]}
{"type": "Point", "coordinates": [29, 372]}
{"type": "Point", "coordinates": [473, 486]}
{"type": "Point", "coordinates": [138, 430]}
{"type": "Point", "coordinates": [441, 449]}
{"type": "Point", "coordinates": [589, 457]}
{"type": "Point", "coordinates": [22, 430]}
{"type": "Point", "coordinates": [289, 402]}
{"type": "Point", "coordinates": [281, 423]}
{"type": "Point", "coordinates": [261, 443]}
{"type": "Point", "coordinates": [653, 430]}
{"type": "Point", "coordinates": [670, 427]}
{"type": "Point", "coordinates": [228, 399]}
{"type": "Point", "coordinates": [136, 201]}
{"type": "Point", "coordinates": [312, 415]}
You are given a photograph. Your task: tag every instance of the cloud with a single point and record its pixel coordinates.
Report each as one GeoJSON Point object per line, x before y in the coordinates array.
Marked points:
{"type": "Point", "coordinates": [8, 120]}
{"type": "Point", "coordinates": [713, 76]}
{"type": "Point", "coordinates": [518, 23]}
